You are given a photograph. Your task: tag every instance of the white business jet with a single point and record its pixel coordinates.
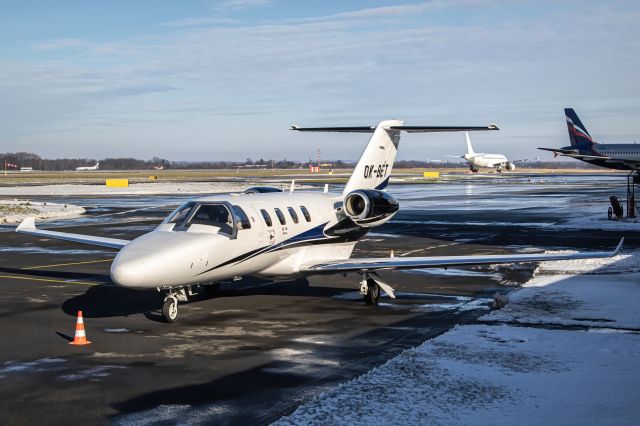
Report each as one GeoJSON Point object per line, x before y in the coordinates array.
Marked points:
{"type": "Point", "coordinates": [86, 169]}
{"type": "Point", "coordinates": [477, 160]}
{"type": "Point", "coordinates": [265, 232]}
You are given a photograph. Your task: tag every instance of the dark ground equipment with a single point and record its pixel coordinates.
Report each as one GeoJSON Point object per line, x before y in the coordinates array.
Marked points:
{"type": "Point", "coordinates": [633, 179]}
{"type": "Point", "coordinates": [616, 208]}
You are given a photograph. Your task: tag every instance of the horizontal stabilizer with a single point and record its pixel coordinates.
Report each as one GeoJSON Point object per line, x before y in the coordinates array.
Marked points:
{"type": "Point", "coordinates": [408, 129]}
{"type": "Point", "coordinates": [362, 129]}
{"type": "Point", "coordinates": [28, 226]}
{"type": "Point", "coordinates": [435, 129]}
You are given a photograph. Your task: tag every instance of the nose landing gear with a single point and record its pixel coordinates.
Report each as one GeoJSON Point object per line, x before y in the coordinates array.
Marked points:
{"type": "Point", "coordinates": [181, 294]}
{"type": "Point", "coordinates": [170, 308]}
{"type": "Point", "coordinates": [170, 304]}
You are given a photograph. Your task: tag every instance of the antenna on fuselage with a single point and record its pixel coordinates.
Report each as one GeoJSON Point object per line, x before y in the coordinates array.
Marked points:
{"type": "Point", "coordinates": [293, 183]}
{"type": "Point", "coordinates": [326, 188]}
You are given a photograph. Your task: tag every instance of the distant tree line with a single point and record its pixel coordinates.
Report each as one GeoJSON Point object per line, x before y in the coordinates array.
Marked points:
{"type": "Point", "coordinates": [27, 159]}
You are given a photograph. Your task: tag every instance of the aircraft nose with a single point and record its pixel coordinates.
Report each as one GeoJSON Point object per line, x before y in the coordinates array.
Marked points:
{"type": "Point", "coordinates": [138, 270]}
{"type": "Point", "coordinates": [161, 259]}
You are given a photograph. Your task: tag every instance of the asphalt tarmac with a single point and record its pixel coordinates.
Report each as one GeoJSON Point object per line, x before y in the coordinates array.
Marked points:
{"type": "Point", "coordinates": [250, 355]}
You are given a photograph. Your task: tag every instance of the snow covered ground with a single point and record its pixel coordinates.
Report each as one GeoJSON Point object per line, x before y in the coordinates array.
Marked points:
{"type": "Point", "coordinates": [13, 211]}
{"type": "Point", "coordinates": [565, 350]}
{"type": "Point", "coordinates": [133, 189]}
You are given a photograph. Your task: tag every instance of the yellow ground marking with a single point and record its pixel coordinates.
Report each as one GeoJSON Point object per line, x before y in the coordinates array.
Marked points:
{"type": "Point", "coordinates": [69, 264]}
{"type": "Point", "coordinates": [48, 280]}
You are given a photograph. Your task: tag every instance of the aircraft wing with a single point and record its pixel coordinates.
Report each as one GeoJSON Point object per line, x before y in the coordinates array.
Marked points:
{"type": "Point", "coordinates": [28, 226]}
{"type": "Point", "coordinates": [634, 164]}
{"type": "Point", "coordinates": [388, 263]}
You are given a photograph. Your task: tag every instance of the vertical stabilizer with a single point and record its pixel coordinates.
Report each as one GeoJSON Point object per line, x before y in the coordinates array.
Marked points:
{"type": "Point", "coordinates": [375, 164]}
{"type": "Point", "coordinates": [469, 147]}
{"type": "Point", "coordinates": [578, 134]}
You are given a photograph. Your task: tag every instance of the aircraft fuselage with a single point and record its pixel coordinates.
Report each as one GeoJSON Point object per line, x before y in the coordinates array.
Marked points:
{"type": "Point", "coordinates": [297, 228]}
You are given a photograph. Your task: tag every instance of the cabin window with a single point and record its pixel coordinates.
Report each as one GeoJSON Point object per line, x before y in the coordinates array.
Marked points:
{"type": "Point", "coordinates": [266, 217]}
{"type": "Point", "coordinates": [280, 216]}
{"type": "Point", "coordinates": [180, 214]}
{"type": "Point", "coordinates": [213, 215]}
{"type": "Point", "coordinates": [293, 214]}
{"type": "Point", "coordinates": [306, 214]}
{"type": "Point", "coordinates": [241, 218]}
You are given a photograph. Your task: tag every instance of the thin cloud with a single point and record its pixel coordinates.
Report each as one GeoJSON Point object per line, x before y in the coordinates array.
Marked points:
{"type": "Point", "coordinates": [204, 21]}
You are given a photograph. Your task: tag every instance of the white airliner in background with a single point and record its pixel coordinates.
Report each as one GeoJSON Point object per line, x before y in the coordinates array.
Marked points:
{"type": "Point", "coordinates": [265, 232]}
{"type": "Point", "coordinates": [477, 161]}
{"type": "Point", "coordinates": [84, 169]}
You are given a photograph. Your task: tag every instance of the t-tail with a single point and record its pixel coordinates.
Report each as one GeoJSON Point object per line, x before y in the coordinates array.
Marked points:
{"type": "Point", "coordinates": [374, 167]}
{"type": "Point", "coordinates": [578, 134]}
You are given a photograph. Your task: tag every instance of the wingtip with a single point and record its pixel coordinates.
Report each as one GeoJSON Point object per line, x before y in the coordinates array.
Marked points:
{"type": "Point", "coordinates": [493, 126]}
{"type": "Point", "coordinates": [294, 127]}
{"type": "Point", "coordinates": [27, 224]}
{"type": "Point", "coordinates": [617, 250]}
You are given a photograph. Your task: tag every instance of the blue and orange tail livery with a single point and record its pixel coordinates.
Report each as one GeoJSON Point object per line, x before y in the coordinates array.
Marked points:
{"type": "Point", "coordinates": [580, 137]}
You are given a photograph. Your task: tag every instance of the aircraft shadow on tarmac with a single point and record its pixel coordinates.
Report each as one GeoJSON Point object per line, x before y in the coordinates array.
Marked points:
{"type": "Point", "coordinates": [273, 376]}
{"type": "Point", "coordinates": [109, 300]}
{"type": "Point", "coordinates": [62, 275]}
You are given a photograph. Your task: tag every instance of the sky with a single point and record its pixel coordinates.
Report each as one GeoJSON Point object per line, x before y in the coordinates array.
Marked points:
{"type": "Point", "coordinates": [224, 80]}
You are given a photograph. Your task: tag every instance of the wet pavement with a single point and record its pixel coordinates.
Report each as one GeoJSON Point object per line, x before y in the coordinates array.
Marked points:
{"type": "Point", "coordinates": [261, 348]}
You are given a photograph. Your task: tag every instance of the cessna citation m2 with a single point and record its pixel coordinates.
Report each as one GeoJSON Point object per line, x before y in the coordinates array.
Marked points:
{"type": "Point", "coordinates": [583, 147]}
{"type": "Point", "coordinates": [269, 233]}
{"type": "Point", "coordinates": [477, 161]}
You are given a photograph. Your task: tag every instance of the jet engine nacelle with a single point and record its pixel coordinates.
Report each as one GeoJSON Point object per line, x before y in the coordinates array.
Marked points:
{"type": "Point", "coordinates": [511, 167]}
{"type": "Point", "coordinates": [370, 207]}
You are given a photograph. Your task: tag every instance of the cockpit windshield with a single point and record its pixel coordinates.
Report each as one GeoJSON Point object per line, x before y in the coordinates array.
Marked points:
{"type": "Point", "coordinates": [221, 215]}
{"type": "Point", "coordinates": [180, 214]}
{"type": "Point", "coordinates": [213, 215]}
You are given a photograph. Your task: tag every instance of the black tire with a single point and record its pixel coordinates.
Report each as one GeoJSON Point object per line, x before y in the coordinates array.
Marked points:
{"type": "Point", "coordinates": [170, 310]}
{"type": "Point", "coordinates": [211, 290]}
{"type": "Point", "coordinates": [373, 292]}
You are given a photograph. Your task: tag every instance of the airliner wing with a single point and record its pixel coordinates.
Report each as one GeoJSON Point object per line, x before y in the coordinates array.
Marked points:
{"type": "Point", "coordinates": [523, 160]}
{"type": "Point", "coordinates": [28, 226]}
{"type": "Point", "coordinates": [634, 164]}
{"type": "Point", "coordinates": [369, 264]}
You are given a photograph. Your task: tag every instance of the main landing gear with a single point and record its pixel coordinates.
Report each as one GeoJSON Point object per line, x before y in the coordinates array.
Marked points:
{"type": "Point", "coordinates": [181, 294]}
{"type": "Point", "coordinates": [370, 290]}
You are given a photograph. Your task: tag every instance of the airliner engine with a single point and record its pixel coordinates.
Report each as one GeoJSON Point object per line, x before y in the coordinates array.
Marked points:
{"type": "Point", "coordinates": [370, 207]}
{"type": "Point", "coordinates": [511, 167]}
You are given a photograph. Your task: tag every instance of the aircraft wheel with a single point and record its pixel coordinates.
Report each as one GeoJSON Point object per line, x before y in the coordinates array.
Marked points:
{"type": "Point", "coordinates": [373, 292]}
{"type": "Point", "coordinates": [170, 309]}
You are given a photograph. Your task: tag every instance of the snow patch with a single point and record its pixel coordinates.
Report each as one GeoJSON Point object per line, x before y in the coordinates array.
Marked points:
{"type": "Point", "coordinates": [14, 211]}
{"type": "Point", "coordinates": [484, 374]}
{"type": "Point", "coordinates": [132, 189]}
{"type": "Point", "coordinates": [39, 365]}
{"type": "Point", "coordinates": [616, 264]}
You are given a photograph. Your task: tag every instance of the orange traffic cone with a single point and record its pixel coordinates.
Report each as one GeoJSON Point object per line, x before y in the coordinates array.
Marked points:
{"type": "Point", "coordinates": [80, 337]}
